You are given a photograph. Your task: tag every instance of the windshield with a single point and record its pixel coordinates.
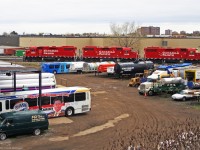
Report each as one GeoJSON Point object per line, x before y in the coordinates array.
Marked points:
{"type": "Point", "coordinates": [151, 80]}
{"type": "Point", "coordinates": [181, 92]}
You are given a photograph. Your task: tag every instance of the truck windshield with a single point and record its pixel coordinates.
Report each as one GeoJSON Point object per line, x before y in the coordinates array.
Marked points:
{"type": "Point", "coordinates": [181, 92]}
{"type": "Point", "coordinates": [151, 80]}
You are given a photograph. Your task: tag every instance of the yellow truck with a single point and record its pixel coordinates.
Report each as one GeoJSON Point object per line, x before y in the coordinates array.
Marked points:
{"type": "Point", "coordinates": [139, 78]}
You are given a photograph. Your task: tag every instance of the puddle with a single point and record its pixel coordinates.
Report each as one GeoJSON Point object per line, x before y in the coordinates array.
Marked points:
{"type": "Point", "coordinates": [109, 124]}
{"type": "Point", "coordinates": [59, 138]}
{"type": "Point", "coordinates": [99, 92]}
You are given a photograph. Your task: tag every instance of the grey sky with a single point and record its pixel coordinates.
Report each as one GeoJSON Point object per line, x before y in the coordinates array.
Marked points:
{"type": "Point", "coordinates": [78, 16]}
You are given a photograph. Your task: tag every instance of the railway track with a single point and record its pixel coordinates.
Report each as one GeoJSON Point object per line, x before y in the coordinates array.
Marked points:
{"type": "Point", "coordinates": [11, 58]}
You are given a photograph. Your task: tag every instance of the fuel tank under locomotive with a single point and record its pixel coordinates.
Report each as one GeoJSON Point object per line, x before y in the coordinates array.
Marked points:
{"type": "Point", "coordinates": [132, 68]}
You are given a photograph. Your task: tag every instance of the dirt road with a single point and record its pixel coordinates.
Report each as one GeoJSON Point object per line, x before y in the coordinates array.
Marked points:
{"type": "Point", "coordinates": [120, 117]}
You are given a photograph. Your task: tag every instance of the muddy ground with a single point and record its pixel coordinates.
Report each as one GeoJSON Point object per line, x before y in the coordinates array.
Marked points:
{"type": "Point", "coordinates": [120, 117]}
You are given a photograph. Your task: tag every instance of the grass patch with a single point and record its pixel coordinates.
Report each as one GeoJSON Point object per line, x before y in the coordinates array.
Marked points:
{"type": "Point", "coordinates": [29, 64]}
{"type": "Point", "coordinates": [197, 106]}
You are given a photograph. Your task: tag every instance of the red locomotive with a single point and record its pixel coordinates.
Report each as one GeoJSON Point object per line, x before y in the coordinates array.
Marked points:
{"type": "Point", "coordinates": [171, 54]}
{"type": "Point", "coordinates": [95, 53]}
{"type": "Point", "coordinates": [89, 53]}
{"type": "Point", "coordinates": [54, 53]}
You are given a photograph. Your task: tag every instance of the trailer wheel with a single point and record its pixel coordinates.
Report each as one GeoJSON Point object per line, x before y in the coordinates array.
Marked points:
{"type": "Point", "coordinates": [37, 132]}
{"type": "Point", "coordinates": [150, 93]}
{"type": "Point", "coordinates": [69, 111]}
{"type": "Point", "coordinates": [79, 71]}
{"type": "Point", "coordinates": [136, 85]}
{"type": "Point", "coordinates": [3, 136]}
{"type": "Point", "coordinates": [140, 93]}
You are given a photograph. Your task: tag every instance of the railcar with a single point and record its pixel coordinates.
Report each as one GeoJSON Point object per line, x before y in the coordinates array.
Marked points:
{"type": "Point", "coordinates": [94, 53]}
{"type": "Point", "coordinates": [131, 68]}
{"type": "Point", "coordinates": [103, 67]}
{"type": "Point", "coordinates": [171, 54]}
{"type": "Point", "coordinates": [51, 53]}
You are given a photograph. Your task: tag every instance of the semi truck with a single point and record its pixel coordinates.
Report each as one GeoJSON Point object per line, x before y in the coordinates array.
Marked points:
{"type": "Point", "coordinates": [166, 85]}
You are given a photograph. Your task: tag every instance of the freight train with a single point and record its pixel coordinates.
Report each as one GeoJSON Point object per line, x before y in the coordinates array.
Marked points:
{"type": "Point", "coordinates": [19, 52]}
{"type": "Point", "coordinates": [94, 53]}
{"type": "Point", "coordinates": [89, 53]}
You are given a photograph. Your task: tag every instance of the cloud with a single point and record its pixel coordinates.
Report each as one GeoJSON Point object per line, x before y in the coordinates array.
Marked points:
{"type": "Point", "coordinates": [59, 13]}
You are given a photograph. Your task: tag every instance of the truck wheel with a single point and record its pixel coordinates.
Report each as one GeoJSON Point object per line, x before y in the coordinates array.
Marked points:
{"type": "Point", "coordinates": [69, 111]}
{"type": "Point", "coordinates": [184, 98]}
{"type": "Point", "coordinates": [79, 71]}
{"type": "Point", "coordinates": [3, 136]}
{"type": "Point", "coordinates": [150, 93]}
{"type": "Point", "coordinates": [137, 85]}
{"type": "Point", "coordinates": [37, 132]}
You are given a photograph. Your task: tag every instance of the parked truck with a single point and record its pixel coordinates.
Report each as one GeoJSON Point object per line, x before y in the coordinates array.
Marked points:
{"type": "Point", "coordinates": [139, 78]}
{"type": "Point", "coordinates": [164, 85]}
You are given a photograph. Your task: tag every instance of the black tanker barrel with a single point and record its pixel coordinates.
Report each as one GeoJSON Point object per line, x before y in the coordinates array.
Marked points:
{"type": "Point", "coordinates": [118, 66]}
{"type": "Point", "coordinates": [132, 68]}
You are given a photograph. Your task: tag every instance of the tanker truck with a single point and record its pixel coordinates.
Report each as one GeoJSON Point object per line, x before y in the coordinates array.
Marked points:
{"type": "Point", "coordinates": [131, 68]}
{"type": "Point", "coordinates": [166, 85]}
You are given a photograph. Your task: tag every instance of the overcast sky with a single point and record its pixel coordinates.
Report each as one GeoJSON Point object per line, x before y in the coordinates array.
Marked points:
{"type": "Point", "coordinates": [79, 16]}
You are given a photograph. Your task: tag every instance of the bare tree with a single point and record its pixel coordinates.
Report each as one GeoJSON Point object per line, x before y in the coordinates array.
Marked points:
{"type": "Point", "coordinates": [126, 35]}
{"type": "Point", "coordinates": [5, 34]}
{"type": "Point", "coordinates": [13, 33]}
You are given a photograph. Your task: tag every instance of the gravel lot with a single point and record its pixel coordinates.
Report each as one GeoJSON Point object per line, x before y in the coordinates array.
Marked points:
{"type": "Point", "coordinates": [120, 117]}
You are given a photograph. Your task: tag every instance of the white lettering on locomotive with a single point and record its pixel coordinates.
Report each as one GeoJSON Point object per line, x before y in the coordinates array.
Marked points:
{"type": "Point", "coordinates": [169, 53]}
{"type": "Point", "coordinates": [104, 52]}
{"type": "Point", "coordinates": [50, 51]}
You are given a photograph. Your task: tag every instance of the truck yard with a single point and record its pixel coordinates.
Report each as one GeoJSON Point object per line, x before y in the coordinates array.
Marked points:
{"type": "Point", "coordinates": [120, 117]}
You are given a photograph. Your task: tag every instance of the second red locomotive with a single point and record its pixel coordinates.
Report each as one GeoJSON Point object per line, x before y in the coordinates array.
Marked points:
{"type": "Point", "coordinates": [95, 53]}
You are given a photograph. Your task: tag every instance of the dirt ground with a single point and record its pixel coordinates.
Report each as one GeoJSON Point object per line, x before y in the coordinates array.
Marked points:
{"type": "Point", "coordinates": [120, 117]}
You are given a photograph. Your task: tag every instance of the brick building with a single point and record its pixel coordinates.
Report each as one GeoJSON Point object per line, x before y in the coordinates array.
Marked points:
{"type": "Point", "coordinates": [150, 30]}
